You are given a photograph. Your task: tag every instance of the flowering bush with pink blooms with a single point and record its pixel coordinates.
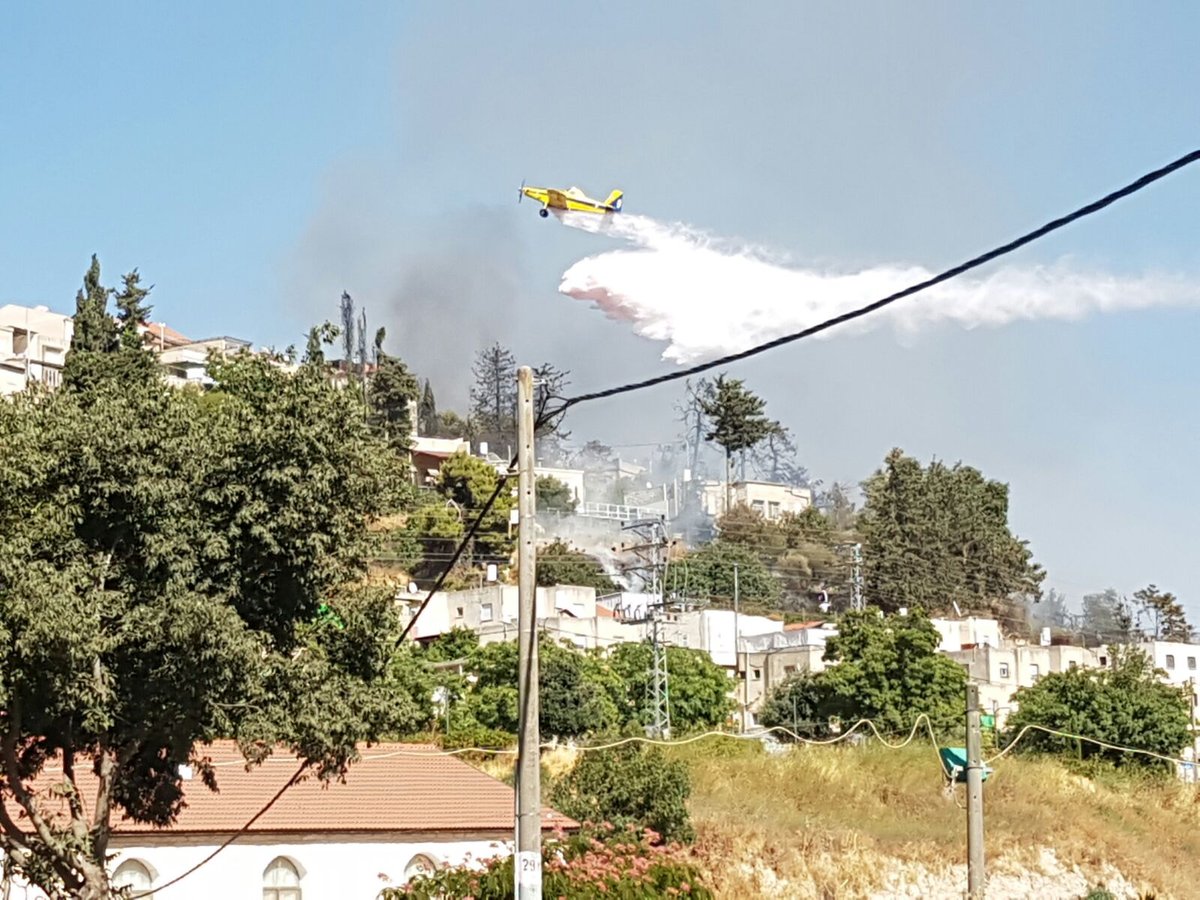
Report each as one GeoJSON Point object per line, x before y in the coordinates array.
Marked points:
{"type": "Point", "coordinates": [598, 862]}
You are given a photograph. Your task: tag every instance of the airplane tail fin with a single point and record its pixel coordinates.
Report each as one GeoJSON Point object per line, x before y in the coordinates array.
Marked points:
{"type": "Point", "coordinates": [614, 200]}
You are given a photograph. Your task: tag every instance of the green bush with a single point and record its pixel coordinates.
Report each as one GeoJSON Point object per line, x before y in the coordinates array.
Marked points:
{"type": "Point", "coordinates": [609, 863]}
{"type": "Point", "coordinates": [628, 786]}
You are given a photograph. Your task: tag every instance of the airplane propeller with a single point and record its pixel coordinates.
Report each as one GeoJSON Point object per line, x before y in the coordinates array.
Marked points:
{"type": "Point", "coordinates": [521, 190]}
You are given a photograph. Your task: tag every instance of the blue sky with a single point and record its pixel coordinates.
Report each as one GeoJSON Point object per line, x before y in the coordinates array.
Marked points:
{"type": "Point", "coordinates": [255, 159]}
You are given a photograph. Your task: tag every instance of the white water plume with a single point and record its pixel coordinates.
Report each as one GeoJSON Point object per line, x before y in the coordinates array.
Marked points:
{"type": "Point", "coordinates": [706, 298]}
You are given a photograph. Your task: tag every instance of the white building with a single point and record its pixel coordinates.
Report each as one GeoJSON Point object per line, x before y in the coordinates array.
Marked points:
{"type": "Point", "coordinates": [770, 499]}
{"type": "Point", "coordinates": [1001, 670]}
{"type": "Point", "coordinates": [712, 630]}
{"type": "Point", "coordinates": [572, 478]}
{"type": "Point", "coordinates": [968, 632]}
{"type": "Point", "coordinates": [33, 347]}
{"type": "Point", "coordinates": [494, 606]}
{"type": "Point", "coordinates": [187, 364]}
{"type": "Point", "coordinates": [403, 809]}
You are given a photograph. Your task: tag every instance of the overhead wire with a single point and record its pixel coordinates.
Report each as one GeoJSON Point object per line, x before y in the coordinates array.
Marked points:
{"type": "Point", "coordinates": [954, 271]}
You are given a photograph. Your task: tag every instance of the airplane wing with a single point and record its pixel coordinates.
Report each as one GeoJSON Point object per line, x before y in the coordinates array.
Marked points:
{"type": "Point", "coordinates": [557, 199]}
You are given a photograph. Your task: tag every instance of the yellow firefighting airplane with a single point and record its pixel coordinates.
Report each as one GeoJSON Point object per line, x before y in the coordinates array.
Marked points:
{"type": "Point", "coordinates": [572, 198]}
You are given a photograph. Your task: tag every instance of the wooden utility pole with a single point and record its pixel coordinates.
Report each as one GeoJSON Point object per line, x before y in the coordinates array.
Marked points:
{"type": "Point", "coordinates": [528, 868]}
{"type": "Point", "coordinates": [975, 876]}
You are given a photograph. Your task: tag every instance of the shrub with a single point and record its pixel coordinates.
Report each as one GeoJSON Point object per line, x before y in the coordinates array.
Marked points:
{"type": "Point", "coordinates": [628, 786]}
{"type": "Point", "coordinates": [603, 863]}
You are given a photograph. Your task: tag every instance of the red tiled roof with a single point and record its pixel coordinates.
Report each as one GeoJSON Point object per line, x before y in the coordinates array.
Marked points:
{"type": "Point", "coordinates": [394, 787]}
{"type": "Point", "coordinates": [164, 335]}
{"type": "Point", "coordinates": [603, 612]}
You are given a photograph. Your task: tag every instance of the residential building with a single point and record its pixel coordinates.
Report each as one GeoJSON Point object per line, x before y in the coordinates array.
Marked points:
{"type": "Point", "coordinates": [766, 661]}
{"type": "Point", "coordinates": [186, 364]}
{"type": "Point", "coordinates": [572, 478]}
{"type": "Point", "coordinates": [492, 606]}
{"type": "Point", "coordinates": [429, 453]}
{"type": "Point", "coordinates": [403, 809]}
{"type": "Point", "coordinates": [33, 347]}
{"type": "Point", "coordinates": [1000, 670]}
{"type": "Point", "coordinates": [1177, 664]}
{"type": "Point", "coordinates": [769, 498]}
{"type": "Point", "coordinates": [712, 630]}
{"type": "Point", "coordinates": [967, 632]}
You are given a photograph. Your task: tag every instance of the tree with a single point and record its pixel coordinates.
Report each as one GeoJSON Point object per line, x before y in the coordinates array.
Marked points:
{"type": "Point", "coordinates": [578, 695]}
{"type": "Point", "coordinates": [427, 414]}
{"type": "Point", "coordinates": [735, 421]}
{"type": "Point", "coordinates": [348, 320]}
{"type": "Point", "coordinates": [391, 394]}
{"type": "Point", "coordinates": [774, 458]}
{"type": "Point", "coordinates": [709, 573]}
{"type": "Point", "coordinates": [163, 557]}
{"type": "Point", "coordinates": [1107, 618]}
{"type": "Point", "coordinates": [629, 785]}
{"type": "Point", "coordinates": [698, 692]}
{"type": "Point", "coordinates": [887, 669]}
{"type": "Point", "coordinates": [1170, 621]}
{"type": "Point", "coordinates": [469, 482]}
{"type": "Point", "coordinates": [494, 395]}
{"type": "Point", "coordinates": [94, 335]}
{"type": "Point", "coordinates": [554, 496]}
{"type": "Point", "coordinates": [937, 535]}
{"type": "Point", "coordinates": [837, 506]}
{"type": "Point", "coordinates": [137, 363]}
{"type": "Point", "coordinates": [1125, 705]}
{"type": "Point", "coordinates": [560, 563]}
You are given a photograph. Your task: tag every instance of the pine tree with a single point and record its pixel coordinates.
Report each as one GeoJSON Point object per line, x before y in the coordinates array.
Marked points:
{"type": "Point", "coordinates": [427, 414]}
{"type": "Point", "coordinates": [736, 421]}
{"type": "Point", "coordinates": [94, 331]}
{"type": "Point", "coordinates": [494, 395]}
{"type": "Point", "coordinates": [1166, 614]}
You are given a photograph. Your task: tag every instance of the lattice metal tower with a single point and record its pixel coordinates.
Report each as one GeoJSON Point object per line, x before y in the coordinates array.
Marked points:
{"type": "Point", "coordinates": [652, 556]}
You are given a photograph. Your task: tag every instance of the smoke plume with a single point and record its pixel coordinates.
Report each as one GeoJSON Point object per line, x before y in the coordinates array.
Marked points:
{"type": "Point", "coordinates": [706, 298]}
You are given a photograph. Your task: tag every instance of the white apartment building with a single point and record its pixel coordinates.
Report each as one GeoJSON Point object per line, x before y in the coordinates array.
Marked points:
{"type": "Point", "coordinates": [766, 497]}
{"type": "Point", "coordinates": [1001, 670]}
{"type": "Point", "coordinates": [33, 347]}
{"type": "Point", "coordinates": [967, 632]}
{"type": "Point", "coordinates": [493, 606]}
{"type": "Point", "coordinates": [187, 364]}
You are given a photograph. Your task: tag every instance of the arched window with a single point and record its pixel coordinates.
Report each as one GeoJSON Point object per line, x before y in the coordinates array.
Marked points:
{"type": "Point", "coordinates": [134, 876]}
{"type": "Point", "coordinates": [418, 865]}
{"type": "Point", "coordinates": [281, 881]}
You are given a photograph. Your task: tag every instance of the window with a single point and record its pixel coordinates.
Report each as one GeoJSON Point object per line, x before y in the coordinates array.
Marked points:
{"type": "Point", "coordinates": [1191, 662]}
{"type": "Point", "coordinates": [1170, 660]}
{"type": "Point", "coordinates": [458, 612]}
{"type": "Point", "coordinates": [757, 506]}
{"type": "Point", "coordinates": [485, 613]}
{"type": "Point", "coordinates": [773, 509]}
{"type": "Point", "coordinates": [134, 876]}
{"type": "Point", "coordinates": [1003, 670]}
{"type": "Point", "coordinates": [20, 341]}
{"type": "Point", "coordinates": [1072, 665]}
{"type": "Point", "coordinates": [281, 881]}
{"type": "Point", "coordinates": [789, 670]}
{"type": "Point", "coordinates": [757, 674]}
{"type": "Point", "coordinates": [1104, 660]}
{"type": "Point", "coordinates": [1035, 671]}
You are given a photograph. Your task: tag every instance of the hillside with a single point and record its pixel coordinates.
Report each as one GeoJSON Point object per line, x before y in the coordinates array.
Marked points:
{"type": "Point", "coordinates": [872, 822]}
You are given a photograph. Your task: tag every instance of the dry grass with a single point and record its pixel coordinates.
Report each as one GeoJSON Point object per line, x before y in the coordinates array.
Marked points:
{"type": "Point", "coordinates": [830, 822]}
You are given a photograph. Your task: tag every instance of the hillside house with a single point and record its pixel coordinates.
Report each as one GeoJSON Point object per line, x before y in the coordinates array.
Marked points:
{"type": "Point", "coordinates": [402, 810]}
{"type": "Point", "coordinates": [33, 347]}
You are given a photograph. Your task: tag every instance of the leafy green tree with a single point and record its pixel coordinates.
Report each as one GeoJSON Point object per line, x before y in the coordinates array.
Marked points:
{"type": "Point", "coordinates": [628, 785]}
{"type": "Point", "coordinates": [163, 557]}
{"type": "Point", "coordinates": [457, 643]}
{"type": "Point", "coordinates": [886, 669]}
{"type": "Point", "coordinates": [560, 563]}
{"type": "Point", "coordinates": [937, 535]}
{"type": "Point", "coordinates": [736, 422]}
{"type": "Point", "coordinates": [698, 687]}
{"type": "Point", "coordinates": [554, 496]}
{"type": "Point", "coordinates": [1166, 613]}
{"type": "Point", "coordinates": [469, 482]}
{"type": "Point", "coordinates": [576, 690]}
{"type": "Point", "coordinates": [1125, 705]}
{"type": "Point", "coordinates": [709, 573]}
{"type": "Point", "coordinates": [392, 393]}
